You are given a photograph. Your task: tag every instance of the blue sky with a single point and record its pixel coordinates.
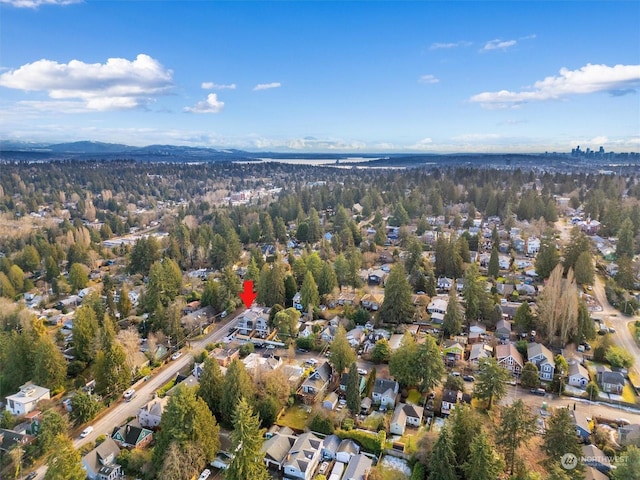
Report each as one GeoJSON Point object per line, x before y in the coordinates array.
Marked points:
{"type": "Point", "coordinates": [312, 76]}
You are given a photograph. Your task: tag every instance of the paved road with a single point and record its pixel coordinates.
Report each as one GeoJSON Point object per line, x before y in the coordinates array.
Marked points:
{"type": "Point", "coordinates": [120, 411]}
{"type": "Point", "coordinates": [617, 320]}
{"type": "Point", "coordinates": [589, 409]}
{"type": "Point", "coordinates": [145, 390]}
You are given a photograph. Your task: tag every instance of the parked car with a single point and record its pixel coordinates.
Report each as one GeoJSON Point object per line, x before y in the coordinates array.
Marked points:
{"type": "Point", "coordinates": [362, 371]}
{"type": "Point", "coordinates": [129, 394]}
{"type": "Point", "coordinates": [538, 391]}
{"type": "Point", "coordinates": [31, 476]}
{"type": "Point", "coordinates": [86, 432]}
{"type": "Point", "coordinates": [206, 473]}
{"type": "Point", "coordinates": [176, 355]}
{"type": "Point", "coordinates": [469, 378]}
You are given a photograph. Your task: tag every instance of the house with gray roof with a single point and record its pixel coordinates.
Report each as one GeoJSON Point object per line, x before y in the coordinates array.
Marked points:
{"type": "Point", "coordinates": [543, 358]}
{"type": "Point", "coordinates": [100, 463]}
{"type": "Point", "coordinates": [385, 392]}
{"type": "Point", "coordinates": [347, 449]}
{"type": "Point", "coordinates": [405, 414]}
{"type": "Point", "coordinates": [303, 457]}
{"type": "Point", "coordinates": [330, 447]}
{"type": "Point", "coordinates": [358, 467]}
{"type": "Point", "coordinates": [276, 449]}
{"type": "Point", "coordinates": [578, 375]}
{"type": "Point", "coordinates": [610, 382]}
{"type": "Point", "coordinates": [316, 384]}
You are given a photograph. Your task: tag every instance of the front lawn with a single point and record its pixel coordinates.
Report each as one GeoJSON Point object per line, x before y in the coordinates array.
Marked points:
{"type": "Point", "coordinates": [628, 395]}
{"type": "Point", "coordinates": [294, 417]}
{"type": "Point", "coordinates": [414, 397]}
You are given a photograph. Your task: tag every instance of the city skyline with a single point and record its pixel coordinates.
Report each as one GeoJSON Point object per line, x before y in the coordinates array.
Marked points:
{"type": "Point", "coordinates": [425, 77]}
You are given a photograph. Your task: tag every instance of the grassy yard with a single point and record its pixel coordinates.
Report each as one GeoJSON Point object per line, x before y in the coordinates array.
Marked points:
{"type": "Point", "coordinates": [294, 417]}
{"type": "Point", "coordinates": [628, 395]}
{"type": "Point", "coordinates": [634, 332]}
{"type": "Point", "coordinates": [414, 397]}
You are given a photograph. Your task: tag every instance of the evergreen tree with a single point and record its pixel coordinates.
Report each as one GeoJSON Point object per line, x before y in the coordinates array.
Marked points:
{"type": "Point", "coordinates": [629, 466]}
{"type": "Point", "coordinates": [64, 461]}
{"type": "Point", "coordinates": [397, 306]}
{"type": "Point", "coordinates": [246, 438]}
{"type": "Point", "coordinates": [560, 437]}
{"type": "Point", "coordinates": [473, 293]}
{"type": "Point", "coordinates": [211, 385]}
{"type": "Point", "coordinates": [290, 290]}
{"type": "Point", "coordinates": [442, 464]}
{"type": "Point", "coordinates": [484, 462]}
{"type": "Point", "coordinates": [465, 424]}
{"type": "Point", "coordinates": [452, 322]}
{"type": "Point", "coordinates": [52, 425]}
{"type": "Point", "coordinates": [583, 269]}
{"type": "Point", "coordinates": [327, 280]}
{"type": "Point", "coordinates": [353, 389]}
{"type": "Point", "coordinates": [381, 351]}
{"type": "Point", "coordinates": [211, 295]}
{"type": "Point", "coordinates": [49, 365]}
{"type": "Point", "coordinates": [547, 257]}
{"type": "Point", "coordinates": [491, 382]}
{"type": "Point", "coordinates": [112, 373]}
{"type": "Point", "coordinates": [578, 243]}
{"type": "Point", "coordinates": [625, 246]}
{"type": "Point", "coordinates": [85, 331]}
{"type": "Point", "coordinates": [341, 354]}
{"type": "Point", "coordinates": [309, 292]}
{"type": "Point", "coordinates": [237, 385]}
{"type": "Point", "coordinates": [586, 329]}
{"type": "Point", "coordinates": [187, 420]}
{"type": "Point", "coordinates": [124, 302]}
{"type": "Point", "coordinates": [253, 273]}
{"type": "Point", "coordinates": [494, 262]}
{"type": "Point", "coordinates": [523, 319]}
{"type": "Point", "coordinates": [516, 427]}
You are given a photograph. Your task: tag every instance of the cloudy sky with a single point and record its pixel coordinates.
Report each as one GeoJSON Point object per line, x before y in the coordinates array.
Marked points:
{"type": "Point", "coordinates": [361, 76]}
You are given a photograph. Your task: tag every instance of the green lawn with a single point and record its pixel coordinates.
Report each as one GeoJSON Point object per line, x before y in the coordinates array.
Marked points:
{"type": "Point", "coordinates": [414, 397]}
{"type": "Point", "coordinates": [294, 417]}
{"type": "Point", "coordinates": [628, 395]}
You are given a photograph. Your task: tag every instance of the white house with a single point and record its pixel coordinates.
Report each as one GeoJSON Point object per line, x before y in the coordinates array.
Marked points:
{"type": "Point", "coordinates": [543, 358]}
{"type": "Point", "coordinates": [150, 415]}
{"type": "Point", "coordinates": [297, 301]}
{"type": "Point", "coordinates": [578, 375]}
{"type": "Point", "coordinates": [385, 392]}
{"type": "Point", "coordinates": [26, 399]}
{"type": "Point", "coordinates": [438, 305]}
{"type": "Point", "coordinates": [405, 414]}
{"type": "Point", "coordinates": [303, 457]}
{"type": "Point", "coordinates": [254, 319]}
{"type": "Point", "coordinates": [533, 246]}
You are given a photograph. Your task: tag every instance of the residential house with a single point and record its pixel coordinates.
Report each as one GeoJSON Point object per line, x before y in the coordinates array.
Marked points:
{"type": "Point", "coordinates": [405, 414]}
{"type": "Point", "coordinates": [347, 298]}
{"type": "Point", "coordinates": [449, 400]}
{"type": "Point", "coordinates": [303, 457]}
{"type": "Point", "coordinates": [255, 319]}
{"type": "Point", "coordinates": [372, 301]}
{"type": "Point", "coordinates": [330, 401]}
{"type": "Point", "coordinates": [509, 357]}
{"type": "Point", "coordinates": [629, 434]}
{"type": "Point", "coordinates": [385, 392]}
{"type": "Point", "coordinates": [453, 351]}
{"type": "Point", "coordinates": [297, 301]}
{"type": "Point", "coordinates": [543, 358]}
{"type": "Point", "coordinates": [276, 448]}
{"type": "Point", "coordinates": [395, 341]}
{"type": "Point", "coordinates": [591, 473]}
{"type": "Point", "coordinates": [100, 463]}
{"type": "Point", "coordinates": [26, 399]}
{"type": "Point", "coordinates": [578, 375]}
{"type": "Point", "coordinates": [592, 456]}
{"type": "Point", "coordinates": [503, 330]}
{"type": "Point", "coordinates": [150, 415]}
{"type": "Point", "coordinates": [347, 449]}
{"type": "Point", "coordinates": [224, 356]}
{"type": "Point", "coordinates": [10, 438]}
{"type": "Point", "coordinates": [377, 277]}
{"type": "Point", "coordinates": [362, 382]}
{"type": "Point", "coordinates": [478, 352]}
{"type": "Point", "coordinates": [444, 283]}
{"type": "Point", "coordinates": [582, 425]}
{"type": "Point", "coordinates": [132, 435]}
{"type": "Point", "coordinates": [533, 246]}
{"type": "Point", "coordinates": [610, 382]}
{"type": "Point", "coordinates": [316, 384]}
{"type": "Point", "coordinates": [437, 308]}
{"type": "Point", "coordinates": [358, 467]}
{"type": "Point", "coordinates": [330, 447]}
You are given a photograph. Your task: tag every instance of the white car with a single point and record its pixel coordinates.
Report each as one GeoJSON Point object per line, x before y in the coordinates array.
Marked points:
{"type": "Point", "coordinates": [362, 371]}
{"type": "Point", "coordinates": [129, 394]}
{"type": "Point", "coordinates": [312, 361]}
{"type": "Point", "coordinates": [206, 473]}
{"type": "Point", "coordinates": [176, 355]}
{"type": "Point", "coordinates": [86, 432]}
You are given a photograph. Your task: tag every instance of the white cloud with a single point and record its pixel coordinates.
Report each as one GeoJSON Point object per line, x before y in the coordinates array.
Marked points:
{"type": "Point", "coordinates": [115, 85]}
{"type": "Point", "coordinates": [428, 79]}
{"type": "Point", "coordinates": [216, 86]}
{"type": "Point", "coordinates": [440, 46]}
{"type": "Point", "coordinates": [266, 86]}
{"type": "Point", "coordinates": [498, 44]}
{"type": "Point", "coordinates": [37, 3]}
{"type": "Point", "coordinates": [617, 80]}
{"type": "Point", "coordinates": [210, 105]}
